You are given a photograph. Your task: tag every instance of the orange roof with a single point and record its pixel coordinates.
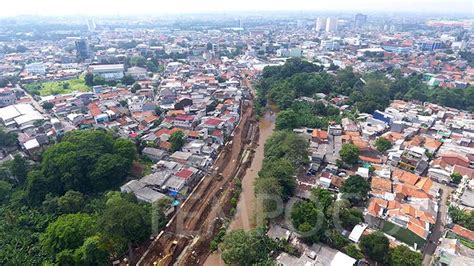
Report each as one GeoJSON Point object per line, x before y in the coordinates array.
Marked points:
{"type": "Point", "coordinates": [320, 134]}
{"type": "Point", "coordinates": [176, 112]}
{"type": "Point", "coordinates": [410, 191]}
{"type": "Point", "coordinates": [424, 184]}
{"type": "Point", "coordinates": [405, 177]}
{"type": "Point", "coordinates": [408, 209]}
{"type": "Point", "coordinates": [165, 145]}
{"type": "Point", "coordinates": [194, 134]}
{"type": "Point", "coordinates": [381, 184]}
{"type": "Point", "coordinates": [150, 119]}
{"type": "Point", "coordinates": [432, 143]}
{"type": "Point", "coordinates": [415, 228]}
{"type": "Point", "coordinates": [393, 204]}
{"type": "Point", "coordinates": [94, 109]}
{"type": "Point", "coordinates": [392, 136]}
{"type": "Point", "coordinates": [416, 141]}
{"type": "Point", "coordinates": [463, 232]}
{"type": "Point", "coordinates": [370, 159]}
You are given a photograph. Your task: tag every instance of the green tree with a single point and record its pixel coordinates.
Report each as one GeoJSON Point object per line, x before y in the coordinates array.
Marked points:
{"type": "Point", "coordinates": [138, 61]}
{"type": "Point", "coordinates": [122, 223]}
{"type": "Point", "coordinates": [456, 178]}
{"type": "Point", "coordinates": [270, 193]}
{"type": "Point", "coordinates": [47, 106]}
{"type": "Point", "coordinates": [375, 246]}
{"type": "Point", "coordinates": [355, 189]}
{"type": "Point", "coordinates": [136, 87]}
{"type": "Point", "coordinates": [128, 80]}
{"type": "Point", "coordinates": [7, 139]}
{"type": "Point", "coordinates": [5, 191]}
{"type": "Point", "coordinates": [383, 144]}
{"type": "Point", "coordinates": [288, 145]}
{"type": "Point", "coordinates": [71, 202]}
{"type": "Point", "coordinates": [323, 198]}
{"type": "Point", "coordinates": [91, 252]}
{"type": "Point", "coordinates": [89, 79]}
{"type": "Point", "coordinates": [247, 248]}
{"type": "Point", "coordinates": [353, 251]}
{"type": "Point", "coordinates": [177, 140]}
{"type": "Point", "coordinates": [403, 256]}
{"type": "Point", "coordinates": [309, 220]}
{"type": "Point", "coordinates": [99, 80]}
{"type": "Point", "coordinates": [287, 119]}
{"type": "Point", "coordinates": [282, 170]}
{"type": "Point", "coordinates": [19, 168]}
{"type": "Point", "coordinates": [349, 154]}
{"type": "Point", "coordinates": [67, 233]}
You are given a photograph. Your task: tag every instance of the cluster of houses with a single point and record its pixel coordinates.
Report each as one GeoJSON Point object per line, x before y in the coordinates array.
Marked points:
{"type": "Point", "coordinates": [412, 182]}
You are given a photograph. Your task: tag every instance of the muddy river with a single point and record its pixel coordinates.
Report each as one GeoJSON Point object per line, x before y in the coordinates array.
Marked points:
{"type": "Point", "coordinates": [246, 216]}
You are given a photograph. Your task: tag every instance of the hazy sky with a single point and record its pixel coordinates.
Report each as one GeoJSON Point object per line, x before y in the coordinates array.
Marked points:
{"type": "Point", "coordinates": [125, 7]}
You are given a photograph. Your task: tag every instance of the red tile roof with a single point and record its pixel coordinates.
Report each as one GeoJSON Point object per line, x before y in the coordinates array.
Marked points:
{"type": "Point", "coordinates": [463, 232]}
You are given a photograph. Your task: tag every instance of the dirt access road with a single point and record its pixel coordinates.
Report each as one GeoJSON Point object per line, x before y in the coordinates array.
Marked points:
{"type": "Point", "coordinates": [186, 238]}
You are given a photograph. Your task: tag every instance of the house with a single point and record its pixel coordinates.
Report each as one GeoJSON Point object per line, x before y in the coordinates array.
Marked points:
{"type": "Point", "coordinates": [142, 191]}
{"type": "Point", "coordinates": [153, 154]}
{"type": "Point", "coordinates": [319, 136]}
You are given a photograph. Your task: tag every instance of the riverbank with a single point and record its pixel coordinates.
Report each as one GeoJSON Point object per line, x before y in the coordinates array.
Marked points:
{"type": "Point", "coordinates": [246, 215]}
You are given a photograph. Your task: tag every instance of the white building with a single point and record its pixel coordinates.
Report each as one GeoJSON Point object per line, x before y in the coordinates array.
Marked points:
{"type": "Point", "coordinates": [330, 45]}
{"type": "Point", "coordinates": [36, 68]}
{"type": "Point", "coordinates": [108, 72]}
{"type": "Point", "coordinates": [19, 115]}
{"type": "Point", "coordinates": [320, 24]}
{"type": "Point", "coordinates": [331, 24]}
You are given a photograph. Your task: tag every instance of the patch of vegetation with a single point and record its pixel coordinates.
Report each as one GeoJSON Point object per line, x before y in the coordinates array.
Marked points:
{"type": "Point", "coordinates": [57, 87]}
{"type": "Point", "coordinates": [403, 234]}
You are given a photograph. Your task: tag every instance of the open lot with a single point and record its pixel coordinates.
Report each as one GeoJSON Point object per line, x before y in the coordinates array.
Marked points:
{"type": "Point", "coordinates": [57, 87]}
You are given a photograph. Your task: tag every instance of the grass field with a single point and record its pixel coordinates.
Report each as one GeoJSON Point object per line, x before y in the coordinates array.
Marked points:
{"type": "Point", "coordinates": [57, 87]}
{"type": "Point", "coordinates": [403, 234]}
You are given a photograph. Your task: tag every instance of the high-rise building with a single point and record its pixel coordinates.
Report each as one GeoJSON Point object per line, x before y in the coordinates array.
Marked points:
{"type": "Point", "coordinates": [82, 49]}
{"type": "Point", "coordinates": [360, 20]}
{"type": "Point", "coordinates": [91, 25]}
{"type": "Point", "coordinates": [331, 24]}
{"type": "Point", "coordinates": [320, 24]}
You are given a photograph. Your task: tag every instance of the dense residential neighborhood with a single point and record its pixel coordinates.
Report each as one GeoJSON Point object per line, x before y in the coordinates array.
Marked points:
{"type": "Point", "coordinates": [295, 139]}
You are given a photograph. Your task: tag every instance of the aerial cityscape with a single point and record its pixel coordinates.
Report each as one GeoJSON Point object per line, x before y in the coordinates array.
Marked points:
{"type": "Point", "coordinates": [237, 133]}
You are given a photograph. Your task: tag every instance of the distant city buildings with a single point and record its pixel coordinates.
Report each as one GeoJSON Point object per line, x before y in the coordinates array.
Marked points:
{"type": "Point", "coordinates": [360, 20]}
{"type": "Point", "coordinates": [82, 49]}
{"type": "Point", "coordinates": [320, 24]}
{"type": "Point", "coordinates": [331, 24]}
{"type": "Point", "coordinates": [91, 26]}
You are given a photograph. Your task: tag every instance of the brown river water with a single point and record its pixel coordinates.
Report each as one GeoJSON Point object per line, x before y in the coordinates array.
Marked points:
{"type": "Point", "coordinates": [246, 216]}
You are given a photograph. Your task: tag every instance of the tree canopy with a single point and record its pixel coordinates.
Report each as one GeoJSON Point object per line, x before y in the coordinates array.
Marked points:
{"type": "Point", "coordinates": [247, 248]}
{"type": "Point", "coordinates": [403, 256]}
{"type": "Point", "coordinates": [85, 161]}
{"type": "Point", "coordinates": [177, 140]}
{"type": "Point", "coordinates": [355, 189]}
{"type": "Point", "coordinates": [375, 246]}
{"type": "Point", "coordinates": [383, 144]}
{"type": "Point", "coordinates": [349, 154]}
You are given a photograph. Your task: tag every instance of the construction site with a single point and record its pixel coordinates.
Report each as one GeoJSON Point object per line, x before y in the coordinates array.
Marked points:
{"type": "Point", "coordinates": [186, 238]}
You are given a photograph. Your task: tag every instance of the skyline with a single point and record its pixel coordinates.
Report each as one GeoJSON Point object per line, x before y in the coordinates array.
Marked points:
{"type": "Point", "coordinates": [148, 7]}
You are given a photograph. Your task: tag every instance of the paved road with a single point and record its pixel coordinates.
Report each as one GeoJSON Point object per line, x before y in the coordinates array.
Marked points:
{"type": "Point", "coordinates": [333, 148]}
{"type": "Point", "coordinates": [33, 101]}
{"type": "Point", "coordinates": [438, 228]}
